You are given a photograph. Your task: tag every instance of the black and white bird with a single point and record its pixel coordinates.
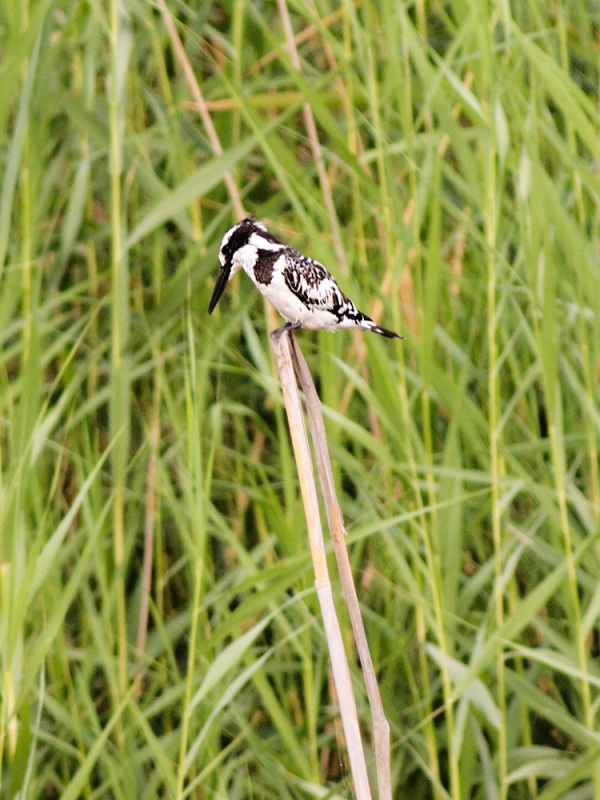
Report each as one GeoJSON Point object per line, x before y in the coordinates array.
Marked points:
{"type": "Point", "coordinates": [299, 288]}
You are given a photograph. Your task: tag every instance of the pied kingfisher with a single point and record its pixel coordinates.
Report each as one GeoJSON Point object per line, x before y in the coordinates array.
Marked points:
{"type": "Point", "coordinates": [300, 289]}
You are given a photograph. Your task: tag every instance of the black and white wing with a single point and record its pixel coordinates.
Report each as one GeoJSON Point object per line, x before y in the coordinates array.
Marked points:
{"type": "Point", "coordinates": [314, 286]}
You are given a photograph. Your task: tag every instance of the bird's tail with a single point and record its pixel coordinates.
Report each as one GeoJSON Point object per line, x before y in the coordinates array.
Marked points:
{"type": "Point", "coordinates": [369, 325]}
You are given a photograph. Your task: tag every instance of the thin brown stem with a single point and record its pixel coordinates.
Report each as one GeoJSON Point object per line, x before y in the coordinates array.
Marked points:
{"type": "Point", "coordinates": [201, 105]}
{"type": "Point", "coordinates": [313, 137]}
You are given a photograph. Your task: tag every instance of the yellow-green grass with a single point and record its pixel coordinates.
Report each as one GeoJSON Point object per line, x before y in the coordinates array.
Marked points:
{"type": "Point", "coordinates": [143, 446]}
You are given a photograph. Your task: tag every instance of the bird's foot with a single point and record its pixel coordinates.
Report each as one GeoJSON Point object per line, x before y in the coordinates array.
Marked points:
{"type": "Point", "coordinates": [289, 326]}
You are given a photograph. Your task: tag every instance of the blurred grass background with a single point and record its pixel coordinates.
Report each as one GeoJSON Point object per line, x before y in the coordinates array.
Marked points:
{"type": "Point", "coordinates": [159, 635]}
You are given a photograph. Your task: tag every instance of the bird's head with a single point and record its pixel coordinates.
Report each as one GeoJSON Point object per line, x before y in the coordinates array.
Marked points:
{"type": "Point", "coordinates": [239, 246]}
{"type": "Point", "coordinates": [232, 241]}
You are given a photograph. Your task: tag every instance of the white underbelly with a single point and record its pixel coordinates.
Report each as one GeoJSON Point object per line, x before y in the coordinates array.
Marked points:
{"type": "Point", "coordinates": [291, 308]}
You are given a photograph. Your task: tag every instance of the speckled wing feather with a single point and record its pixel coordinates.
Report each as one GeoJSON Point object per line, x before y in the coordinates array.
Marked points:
{"type": "Point", "coordinates": [315, 286]}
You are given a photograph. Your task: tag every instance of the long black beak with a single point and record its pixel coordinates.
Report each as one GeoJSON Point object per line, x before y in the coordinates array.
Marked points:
{"type": "Point", "coordinates": [219, 288]}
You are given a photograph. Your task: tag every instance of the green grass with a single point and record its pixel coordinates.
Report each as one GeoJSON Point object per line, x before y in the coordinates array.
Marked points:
{"type": "Point", "coordinates": [143, 445]}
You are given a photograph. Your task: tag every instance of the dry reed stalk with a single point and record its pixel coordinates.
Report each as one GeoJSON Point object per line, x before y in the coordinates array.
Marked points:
{"type": "Point", "coordinates": [201, 105]}
{"type": "Point", "coordinates": [381, 727]}
{"type": "Point", "coordinates": [289, 361]}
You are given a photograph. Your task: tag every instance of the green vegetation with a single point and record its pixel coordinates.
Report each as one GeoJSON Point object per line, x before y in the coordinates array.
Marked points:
{"type": "Point", "coordinates": [143, 445]}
